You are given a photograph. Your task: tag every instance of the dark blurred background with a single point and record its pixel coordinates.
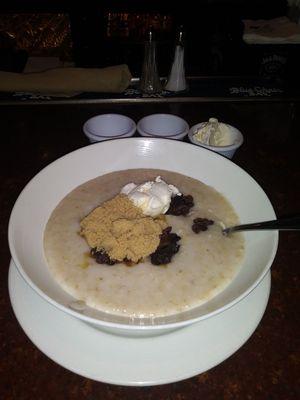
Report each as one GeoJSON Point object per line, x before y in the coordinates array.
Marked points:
{"type": "Point", "coordinates": [108, 32]}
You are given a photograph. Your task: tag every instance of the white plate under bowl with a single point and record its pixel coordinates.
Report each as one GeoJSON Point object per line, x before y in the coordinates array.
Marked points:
{"type": "Point", "coordinates": [42, 194]}
{"type": "Point", "coordinates": [135, 361]}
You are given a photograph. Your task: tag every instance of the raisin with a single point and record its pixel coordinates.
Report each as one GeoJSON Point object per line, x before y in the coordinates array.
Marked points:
{"type": "Point", "coordinates": [129, 263]}
{"type": "Point", "coordinates": [167, 247]}
{"type": "Point", "coordinates": [201, 224]}
{"type": "Point", "coordinates": [181, 205]}
{"type": "Point", "coordinates": [102, 257]}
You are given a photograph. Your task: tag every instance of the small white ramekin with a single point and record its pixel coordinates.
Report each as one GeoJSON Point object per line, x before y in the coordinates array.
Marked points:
{"type": "Point", "coordinates": [108, 126]}
{"type": "Point", "coordinates": [166, 126]}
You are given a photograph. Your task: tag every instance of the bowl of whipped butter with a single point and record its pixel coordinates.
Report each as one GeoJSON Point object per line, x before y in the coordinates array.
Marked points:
{"type": "Point", "coordinates": [216, 136]}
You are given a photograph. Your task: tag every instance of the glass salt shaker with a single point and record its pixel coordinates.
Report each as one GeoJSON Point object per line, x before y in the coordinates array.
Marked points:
{"type": "Point", "coordinates": [176, 81]}
{"type": "Point", "coordinates": [150, 81]}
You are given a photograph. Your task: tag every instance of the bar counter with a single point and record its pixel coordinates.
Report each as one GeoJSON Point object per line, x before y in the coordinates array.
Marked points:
{"type": "Point", "coordinates": [267, 365]}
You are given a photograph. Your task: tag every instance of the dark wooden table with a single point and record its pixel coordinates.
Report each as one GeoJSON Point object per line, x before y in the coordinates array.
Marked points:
{"type": "Point", "coordinates": [267, 366]}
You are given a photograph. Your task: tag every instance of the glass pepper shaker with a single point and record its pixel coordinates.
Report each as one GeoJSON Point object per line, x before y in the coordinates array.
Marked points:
{"type": "Point", "coordinates": [150, 81]}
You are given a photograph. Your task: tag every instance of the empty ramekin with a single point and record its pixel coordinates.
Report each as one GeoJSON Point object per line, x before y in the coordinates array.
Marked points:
{"type": "Point", "coordinates": [108, 126]}
{"type": "Point", "coordinates": [166, 126]}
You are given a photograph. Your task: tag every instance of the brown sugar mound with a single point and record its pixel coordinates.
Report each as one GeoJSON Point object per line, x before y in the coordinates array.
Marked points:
{"type": "Point", "coordinates": [122, 230]}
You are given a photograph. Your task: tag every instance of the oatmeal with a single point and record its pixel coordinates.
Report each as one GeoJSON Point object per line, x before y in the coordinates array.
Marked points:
{"type": "Point", "coordinates": [204, 264]}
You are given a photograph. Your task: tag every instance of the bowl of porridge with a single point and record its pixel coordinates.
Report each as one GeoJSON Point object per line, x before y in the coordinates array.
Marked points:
{"type": "Point", "coordinates": [128, 239]}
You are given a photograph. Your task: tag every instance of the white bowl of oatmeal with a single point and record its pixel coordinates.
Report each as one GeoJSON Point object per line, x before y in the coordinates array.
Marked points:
{"type": "Point", "coordinates": [207, 274]}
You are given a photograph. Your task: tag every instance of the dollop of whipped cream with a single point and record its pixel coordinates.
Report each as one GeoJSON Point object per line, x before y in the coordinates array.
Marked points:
{"type": "Point", "coordinates": [213, 133]}
{"type": "Point", "coordinates": [153, 197]}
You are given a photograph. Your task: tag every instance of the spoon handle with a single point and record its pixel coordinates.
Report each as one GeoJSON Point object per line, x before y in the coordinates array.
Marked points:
{"type": "Point", "coordinates": [282, 224]}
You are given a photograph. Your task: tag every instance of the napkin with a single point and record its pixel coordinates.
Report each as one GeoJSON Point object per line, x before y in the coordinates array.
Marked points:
{"type": "Point", "coordinates": [274, 31]}
{"type": "Point", "coordinates": [67, 82]}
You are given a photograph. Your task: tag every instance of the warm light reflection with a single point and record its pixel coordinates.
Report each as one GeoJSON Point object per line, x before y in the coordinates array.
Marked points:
{"type": "Point", "coordinates": [135, 25]}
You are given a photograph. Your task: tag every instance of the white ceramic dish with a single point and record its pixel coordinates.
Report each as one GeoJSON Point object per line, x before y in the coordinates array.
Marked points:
{"type": "Point", "coordinates": [227, 151]}
{"type": "Point", "coordinates": [39, 198]}
{"type": "Point", "coordinates": [163, 126]}
{"type": "Point", "coordinates": [128, 361]}
{"type": "Point", "coordinates": [108, 126]}
{"type": "Point", "coordinates": [94, 139]}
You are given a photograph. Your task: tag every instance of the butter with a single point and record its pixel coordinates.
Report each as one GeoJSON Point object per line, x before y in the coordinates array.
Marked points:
{"type": "Point", "coordinates": [213, 133]}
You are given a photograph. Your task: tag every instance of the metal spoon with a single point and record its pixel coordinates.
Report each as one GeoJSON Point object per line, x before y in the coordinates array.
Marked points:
{"type": "Point", "coordinates": [281, 224]}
